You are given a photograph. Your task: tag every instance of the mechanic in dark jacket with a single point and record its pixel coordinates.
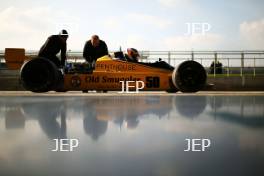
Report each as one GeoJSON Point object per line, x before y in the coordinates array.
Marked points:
{"type": "Point", "coordinates": [53, 45]}
{"type": "Point", "coordinates": [93, 49]}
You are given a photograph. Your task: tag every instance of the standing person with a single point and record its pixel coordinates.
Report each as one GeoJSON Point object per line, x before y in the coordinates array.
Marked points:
{"type": "Point", "coordinates": [93, 49]}
{"type": "Point", "coordinates": [53, 45]}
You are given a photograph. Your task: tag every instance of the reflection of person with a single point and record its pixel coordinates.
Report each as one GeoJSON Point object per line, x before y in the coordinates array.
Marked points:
{"type": "Point", "coordinates": [93, 49]}
{"type": "Point", "coordinates": [132, 55]}
{"type": "Point", "coordinates": [94, 127]}
{"type": "Point", "coordinates": [53, 45]}
{"type": "Point", "coordinates": [47, 119]}
{"type": "Point", "coordinates": [91, 124]}
{"type": "Point", "coordinates": [132, 121]}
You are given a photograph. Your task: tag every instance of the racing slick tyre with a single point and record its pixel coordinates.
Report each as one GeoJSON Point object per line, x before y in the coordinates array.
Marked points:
{"type": "Point", "coordinates": [40, 75]}
{"type": "Point", "coordinates": [190, 76]}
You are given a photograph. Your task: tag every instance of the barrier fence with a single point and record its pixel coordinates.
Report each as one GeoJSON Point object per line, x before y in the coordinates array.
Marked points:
{"type": "Point", "coordinates": [241, 63]}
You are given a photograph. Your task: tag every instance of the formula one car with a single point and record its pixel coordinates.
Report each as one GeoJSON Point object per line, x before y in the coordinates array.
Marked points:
{"type": "Point", "coordinates": [41, 75]}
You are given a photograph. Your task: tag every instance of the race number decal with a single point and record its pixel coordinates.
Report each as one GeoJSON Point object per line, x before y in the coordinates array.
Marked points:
{"type": "Point", "coordinates": [75, 81]}
{"type": "Point", "coordinates": [152, 82]}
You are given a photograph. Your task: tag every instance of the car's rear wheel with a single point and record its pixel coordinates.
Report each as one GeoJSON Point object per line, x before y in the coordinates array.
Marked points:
{"type": "Point", "coordinates": [40, 75]}
{"type": "Point", "coordinates": [190, 76]}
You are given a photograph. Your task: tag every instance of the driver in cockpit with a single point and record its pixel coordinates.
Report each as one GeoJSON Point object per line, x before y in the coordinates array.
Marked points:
{"type": "Point", "coordinates": [132, 55]}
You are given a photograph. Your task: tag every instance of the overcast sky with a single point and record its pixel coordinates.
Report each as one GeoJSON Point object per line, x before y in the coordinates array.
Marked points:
{"type": "Point", "coordinates": [143, 24]}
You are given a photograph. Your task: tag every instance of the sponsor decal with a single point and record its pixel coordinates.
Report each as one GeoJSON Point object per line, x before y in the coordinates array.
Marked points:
{"type": "Point", "coordinates": [116, 67]}
{"type": "Point", "coordinates": [75, 81]}
{"type": "Point", "coordinates": [152, 82]}
{"type": "Point", "coordinates": [108, 79]}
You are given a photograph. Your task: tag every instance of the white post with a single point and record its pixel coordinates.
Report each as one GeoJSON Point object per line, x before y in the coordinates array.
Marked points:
{"type": "Point", "coordinates": [169, 57]}
{"type": "Point", "coordinates": [254, 66]}
{"type": "Point", "coordinates": [242, 64]}
{"type": "Point", "coordinates": [227, 66]}
{"type": "Point", "coordinates": [215, 59]}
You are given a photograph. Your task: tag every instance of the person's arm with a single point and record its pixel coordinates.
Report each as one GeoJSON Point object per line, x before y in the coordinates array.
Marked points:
{"type": "Point", "coordinates": [85, 50]}
{"type": "Point", "coordinates": [105, 49]}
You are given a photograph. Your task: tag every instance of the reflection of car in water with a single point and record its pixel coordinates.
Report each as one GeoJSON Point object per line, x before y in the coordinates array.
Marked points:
{"type": "Point", "coordinates": [14, 118]}
{"type": "Point", "coordinates": [47, 111]}
{"type": "Point", "coordinates": [121, 110]}
{"type": "Point", "coordinates": [240, 110]}
{"type": "Point", "coordinates": [51, 112]}
{"type": "Point", "coordinates": [44, 109]}
{"type": "Point", "coordinates": [190, 106]}
{"type": "Point", "coordinates": [41, 75]}
{"type": "Point", "coordinates": [124, 111]}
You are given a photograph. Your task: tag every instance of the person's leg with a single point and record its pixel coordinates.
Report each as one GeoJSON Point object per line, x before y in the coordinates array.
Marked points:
{"type": "Point", "coordinates": [93, 64]}
{"type": "Point", "coordinates": [60, 85]}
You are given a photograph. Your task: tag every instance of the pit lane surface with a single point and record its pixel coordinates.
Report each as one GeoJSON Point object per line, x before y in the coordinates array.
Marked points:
{"type": "Point", "coordinates": [131, 134]}
{"type": "Point", "coordinates": [142, 93]}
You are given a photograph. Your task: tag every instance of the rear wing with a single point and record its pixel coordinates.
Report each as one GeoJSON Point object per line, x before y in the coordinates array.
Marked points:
{"type": "Point", "coordinates": [15, 57]}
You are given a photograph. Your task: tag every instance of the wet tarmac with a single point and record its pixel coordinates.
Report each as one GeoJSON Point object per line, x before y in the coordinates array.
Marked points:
{"type": "Point", "coordinates": [132, 135]}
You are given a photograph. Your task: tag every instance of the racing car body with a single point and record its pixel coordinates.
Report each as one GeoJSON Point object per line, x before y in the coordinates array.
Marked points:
{"type": "Point", "coordinates": [41, 75]}
{"type": "Point", "coordinates": [109, 72]}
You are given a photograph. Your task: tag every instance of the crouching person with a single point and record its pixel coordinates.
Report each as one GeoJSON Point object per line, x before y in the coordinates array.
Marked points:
{"type": "Point", "coordinates": [56, 44]}
{"type": "Point", "coordinates": [93, 49]}
{"type": "Point", "coordinates": [53, 45]}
